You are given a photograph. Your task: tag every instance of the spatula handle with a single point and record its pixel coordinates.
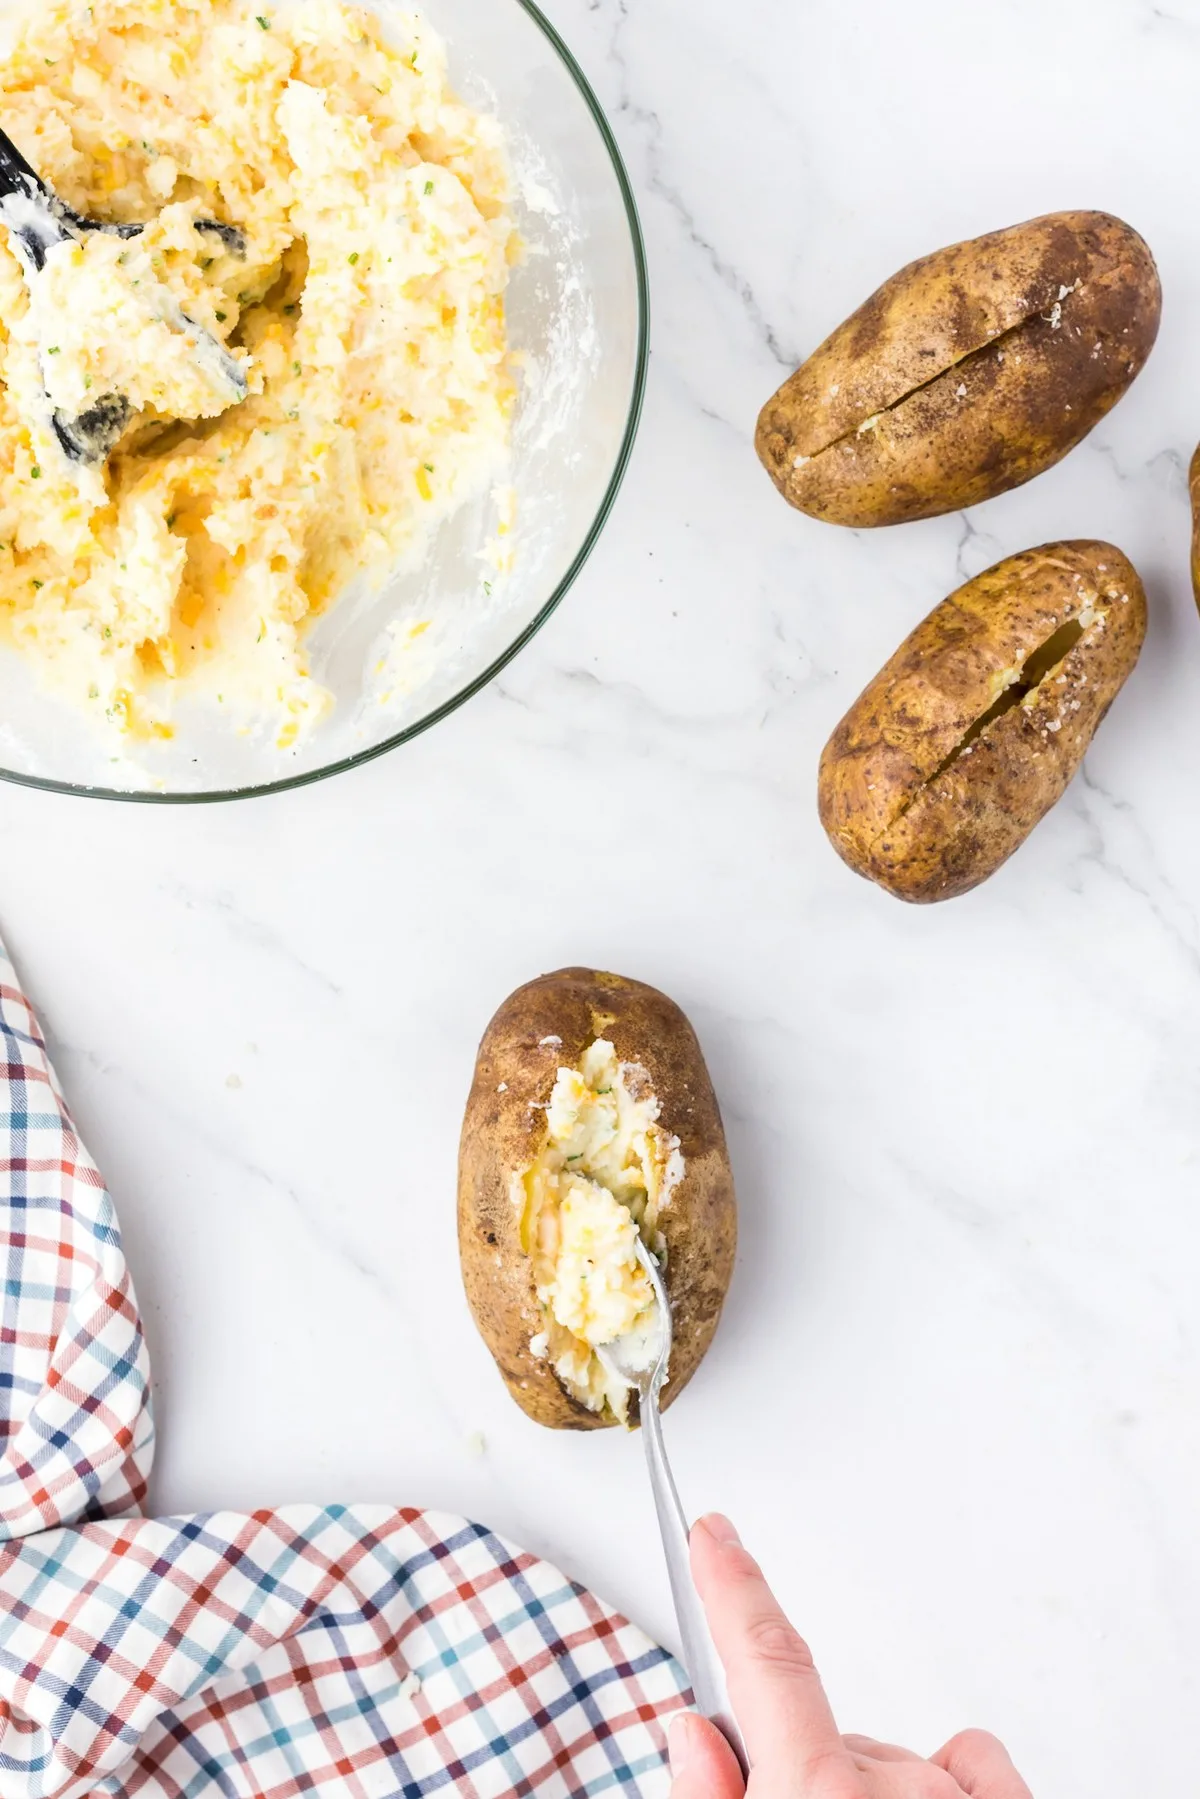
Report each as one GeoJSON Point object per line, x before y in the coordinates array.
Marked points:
{"type": "Point", "coordinates": [16, 176]}
{"type": "Point", "coordinates": [27, 206]}
{"type": "Point", "coordinates": [700, 1657]}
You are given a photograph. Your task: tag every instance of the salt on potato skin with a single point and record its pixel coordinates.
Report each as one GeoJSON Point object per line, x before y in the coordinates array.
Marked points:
{"type": "Point", "coordinates": [369, 306]}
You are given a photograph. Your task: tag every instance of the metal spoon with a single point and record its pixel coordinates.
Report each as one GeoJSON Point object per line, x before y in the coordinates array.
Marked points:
{"type": "Point", "coordinates": [625, 1358]}
{"type": "Point", "coordinates": [38, 220]}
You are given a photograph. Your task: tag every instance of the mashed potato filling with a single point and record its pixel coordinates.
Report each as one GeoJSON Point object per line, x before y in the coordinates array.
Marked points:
{"type": "Point", "coordinates": [366, 315]}
{"type": "Point", "coordinates": [605, 1174]}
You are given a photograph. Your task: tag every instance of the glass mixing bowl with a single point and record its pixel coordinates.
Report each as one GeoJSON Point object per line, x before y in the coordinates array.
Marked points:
{"type": "Point", "coordinates": [578, 312]}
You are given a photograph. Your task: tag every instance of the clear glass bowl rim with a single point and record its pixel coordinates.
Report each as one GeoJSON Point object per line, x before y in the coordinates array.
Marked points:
{"type": "Point", "coordinates": [637, 398]}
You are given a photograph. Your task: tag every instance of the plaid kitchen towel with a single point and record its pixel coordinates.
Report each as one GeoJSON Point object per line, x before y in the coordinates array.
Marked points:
{"type": "Point", "coordinates": [351, 1650]}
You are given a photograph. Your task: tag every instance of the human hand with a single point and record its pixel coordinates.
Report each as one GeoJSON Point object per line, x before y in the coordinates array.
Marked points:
{"type": "Point", "coordinates": [795, 1748]}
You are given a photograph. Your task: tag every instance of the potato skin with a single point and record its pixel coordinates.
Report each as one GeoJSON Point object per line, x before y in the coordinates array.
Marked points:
{"type": "Point", "coordinates": [542, 1027]}
{"type": "Point", "coordinates": [1194, 489]}
{"type": "Point", "coordinates": [926, 831]}
{"type": "Point", "coordinates": [913, 407]}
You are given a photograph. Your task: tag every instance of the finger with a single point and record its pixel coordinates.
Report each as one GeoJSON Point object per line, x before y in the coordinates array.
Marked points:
{"type": "Point", "coordinates": [870, 1750]}
{"type": "Point", "coordinates": [703, 1766]}
{"type": "Point", "coordinates": [775, 1689]}
{"type": "Point", "coordinates": [982, 1767]}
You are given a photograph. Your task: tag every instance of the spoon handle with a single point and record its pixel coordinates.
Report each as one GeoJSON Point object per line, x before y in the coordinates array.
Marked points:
{"type": "Point", "coordinates": [699, 1652]}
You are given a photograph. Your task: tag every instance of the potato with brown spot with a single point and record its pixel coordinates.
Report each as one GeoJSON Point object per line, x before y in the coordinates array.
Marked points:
{"type": "Point", "coordinates": [591, 1120]}
{"type": "Point", "coordinates": [967, 374]}
{"type": "Point", "coordinates": [976, 726]}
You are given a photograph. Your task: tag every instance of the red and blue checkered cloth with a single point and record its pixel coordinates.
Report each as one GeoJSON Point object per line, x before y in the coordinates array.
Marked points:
{"type": "Point", "coordinates": [351, 1650]}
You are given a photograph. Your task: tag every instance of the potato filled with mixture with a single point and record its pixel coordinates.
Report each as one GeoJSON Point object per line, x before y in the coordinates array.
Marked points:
{"type": "Point", "coordinates": [592, 1123]}
{"type": "Point", "coordinates": [324, 221]}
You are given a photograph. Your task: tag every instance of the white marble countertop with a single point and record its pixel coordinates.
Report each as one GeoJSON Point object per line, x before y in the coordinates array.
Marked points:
{"type": "Point", "coordinates": [955, 1404]}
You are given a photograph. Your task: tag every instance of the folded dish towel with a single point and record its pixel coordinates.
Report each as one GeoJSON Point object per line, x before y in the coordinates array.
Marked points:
{"type": "Point", "coordinates": [354, 1651]}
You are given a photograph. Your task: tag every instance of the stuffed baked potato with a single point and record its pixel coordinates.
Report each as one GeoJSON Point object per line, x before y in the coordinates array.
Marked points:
{"type": "Point", "coordinates": [591, 1119]}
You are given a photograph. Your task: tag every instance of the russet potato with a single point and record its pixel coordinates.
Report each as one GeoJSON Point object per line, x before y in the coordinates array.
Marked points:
{"type": "Point", "coordinates": [975, 727]}
{"type": "Point", "coordinates": [968, 373]}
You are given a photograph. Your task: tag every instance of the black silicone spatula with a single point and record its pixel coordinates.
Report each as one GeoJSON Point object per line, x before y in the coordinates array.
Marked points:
{"type": "Point", "coordinates": [38, 220]}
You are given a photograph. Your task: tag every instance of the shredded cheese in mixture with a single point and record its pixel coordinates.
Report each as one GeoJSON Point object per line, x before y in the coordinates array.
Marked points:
{"type": "Point", "coordinates": [366, 316]}
{"type": "Point", "coordinates": [605, 1174]}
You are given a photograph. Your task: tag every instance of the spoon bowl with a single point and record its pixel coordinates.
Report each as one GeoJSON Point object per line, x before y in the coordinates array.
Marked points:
{"type": "Point", "coordinates": [642, 1359]}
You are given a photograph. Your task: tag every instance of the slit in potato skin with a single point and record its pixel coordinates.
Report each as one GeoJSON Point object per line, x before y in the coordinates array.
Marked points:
{"type": "Point", "coordinates": [958, 365]}
{"type": "Point", "coordinates": [1036, 668]}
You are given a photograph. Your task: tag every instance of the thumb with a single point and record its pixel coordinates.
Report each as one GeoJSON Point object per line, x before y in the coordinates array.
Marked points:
{"type": "Point", "coordinates": [982, 1767]}
{"type": "Point", "coordinates": [703, 1766]}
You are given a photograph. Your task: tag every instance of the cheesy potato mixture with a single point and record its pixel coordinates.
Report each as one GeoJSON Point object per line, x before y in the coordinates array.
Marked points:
{"type": "Point", "coordinates": [355, 293]}
{"type": "Point", "coordinates": [605, 1174]}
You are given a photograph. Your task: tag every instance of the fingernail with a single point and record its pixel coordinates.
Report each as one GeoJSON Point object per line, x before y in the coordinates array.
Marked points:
{"type": "Point", "coordinates": [682, 1743]}
{"type": "Point", "coordinates": [720, 1528]}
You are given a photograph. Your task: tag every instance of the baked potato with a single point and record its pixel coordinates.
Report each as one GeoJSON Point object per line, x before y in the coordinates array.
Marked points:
{"type": "Point", "coordinates": [974, 729]}
{"type": "Point", "coordinates": [591, 1119]}
{"type": "Point", "coordinates": [968, 373]}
